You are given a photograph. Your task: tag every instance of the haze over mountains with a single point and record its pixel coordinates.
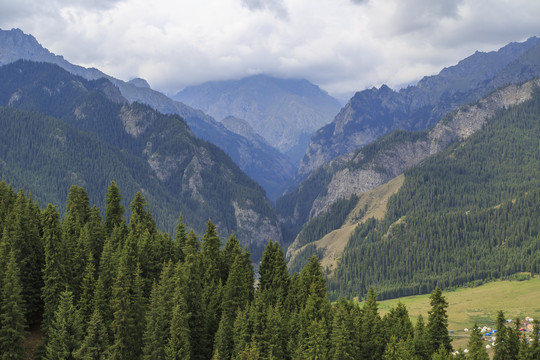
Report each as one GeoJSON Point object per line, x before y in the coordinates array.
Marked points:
{"type": "Point", "coordinates": [283, 111]}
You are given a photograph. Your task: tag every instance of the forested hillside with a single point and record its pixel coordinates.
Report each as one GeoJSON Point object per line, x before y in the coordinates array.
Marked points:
{"type": "Point", "coordinates": [466, 215]}
{"type": "Point", "coordinates": [104, 288]}
{"type": "Point", "coordinates": [60, 130]}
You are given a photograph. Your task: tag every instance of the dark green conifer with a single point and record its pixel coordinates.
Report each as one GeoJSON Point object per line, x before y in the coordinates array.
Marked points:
{"type": "Point", "coordinates": [274, 277]}
{"type": "Point", "coordinates": [95, 344]}
{"type": "Point", "coordinates": [343, 345]}
{"type": "Point", "coordinates": [12, 313]}
{"type": "Point", "coordinates": [476, 347]}
{"type": "Point", "coordinates": [179, 347]}
{"type": "Point", "coordinates": [437, 326]}
{"type": "Point", "coordinates": [179, 240]}
{"type": "Point", "coordinates": [53, 278]}
{"type": "Point", "coordinates": [372, 342]}
{"type": "Point", "coordinates": [397, 323]}
{"type": "Point", "coordinates": [22, 226]}
{"type": "Point", "coordinates": [114, 210]}
{"type": "Point", "coordinates": [65, 332]}
{"type": "Point", "coordinates": [159, 314]}
{"type": "Point", "coordinates": [502, 349]}
{"type": "Point", "coordinates": [86, 301]}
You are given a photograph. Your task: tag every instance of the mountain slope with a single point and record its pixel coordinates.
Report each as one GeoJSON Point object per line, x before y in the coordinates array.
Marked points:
{"type": "Point", "coordinates": [373, 165]}
{"type": "Point", "coordinates": [283, 111]}
{"type": "Point", "coordinates": [464, 215]}
{"type": "Point", "coordinates": [375, 112]}
{"type": "Point", "coordinates": [153, 152]}
{"type": "Point", "coordinates": [260, 161]}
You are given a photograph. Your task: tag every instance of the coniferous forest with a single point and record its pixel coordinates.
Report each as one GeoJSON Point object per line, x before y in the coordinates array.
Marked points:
{"type": "Point", "coordinates": [103, 288]}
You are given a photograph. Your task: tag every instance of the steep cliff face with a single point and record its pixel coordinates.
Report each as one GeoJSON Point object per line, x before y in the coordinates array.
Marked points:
{"type": "Point", "coordinates": [383, 160]}
{"type": "Point", "coordinates": [375, 112]}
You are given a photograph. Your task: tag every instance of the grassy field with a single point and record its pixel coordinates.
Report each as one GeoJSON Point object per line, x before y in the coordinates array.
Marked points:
{"type": "Point", "coordinates": [480, 304]}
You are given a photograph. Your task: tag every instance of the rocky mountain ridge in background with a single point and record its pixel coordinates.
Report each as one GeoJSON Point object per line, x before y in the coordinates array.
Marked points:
{"type": "Point", "coordinates": [374, 112]}
{"type": "Point", "coordinates": [260, 161]}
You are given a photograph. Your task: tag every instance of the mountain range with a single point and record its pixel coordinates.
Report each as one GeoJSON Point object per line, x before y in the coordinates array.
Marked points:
{"type": "Point", "coordinates": [61, 130]}
{"type": "Point", "coordinates": [372, 113]}
{"type": "Point", "coordinates": [262, 162]}
{"type": "Point", "coordinates": [329, 172]}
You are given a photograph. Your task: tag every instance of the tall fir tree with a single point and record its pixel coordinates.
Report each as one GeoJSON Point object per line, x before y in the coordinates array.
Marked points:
{"type": "Point", "coordinates": [371, 329]}
{"type": "Point", "coordinates": [95, 344]}
{"type": "Point", "coordinates": [437, 326]}
{"type": "Point", "coordinates": [12, 313]}
{"type": "Point", "coordinates": [23, 233]}
{"type": "Point", "coordinates": [274, 278]}
{"type": "Point", "coordinates": [502, 349]}
{"type": "Point", "coordinates": [65, 332]}
{"type": "Point", "coordinates": [54, 269]}
{"type": "Point", "coordinates": [114, 210]}
{"type": "Point", "coordinates": [476, 347]}
{"type": "Point", "coordinates": [344, 344]}
{"type": "Point", "coordinates": [179, 347]}
{"type": "Point", "coordinates": [158, 315]}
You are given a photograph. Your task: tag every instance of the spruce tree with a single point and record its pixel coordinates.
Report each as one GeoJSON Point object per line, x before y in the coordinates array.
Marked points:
{"type": "Point", "coordinates": [397, 323]}
{"type": "Point", "coordinates": [114, 210]}
{"type": "Point", "coordinates": [189, 283]}
{"type": "Point", "coordinates": [86, 301]}
{"type": "Point", "coordinates": [179, 240]}
{"type": "Point", "coordinates": [126, 326]}
{"type": "Point", "coordinates": [12, 313]}
{"type": "Point", "coordinates": [476, 347]}
{"type": "Point", "coordinates": [158, 315]}
{"type": "Point", "coordinates": [502, 349]}
{"type": "Point", "coordinates": [399, 349]}
{"type": "Point", "coordinates": [420, 341]}
{"type": "Point", "coordinates": [344, 345]}
{"type": "Point", "coordinates": [437, 326]}
{"type": "Point", "coordinates": [274, 278]}
{"type": "Point", "coordinates": [372, 342]}
{"type": "Point", "coordinates": [179, 347]}
{"type": "Point", "coordinates": [65, 332]}
{"type": "Point", "coordinates": [23, 229]}
{"type": "Point", "coordinates": [54, 269]}
{"type": "Point", "coordinates": [95, 344]}
{"type": "Point", "coordinates": [228, 255]}
{"type": "Point", "coordinates": [212, 285]}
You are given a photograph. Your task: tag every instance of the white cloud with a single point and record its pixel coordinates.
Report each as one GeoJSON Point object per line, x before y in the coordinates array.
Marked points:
{"type": "Point", "coordinates": [341, 45]}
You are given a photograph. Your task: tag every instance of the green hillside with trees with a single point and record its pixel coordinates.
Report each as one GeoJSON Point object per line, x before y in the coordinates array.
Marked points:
{"type": "Point", "coordinates": [467, 215]}
{"type": "Point", "coordinates": [60, 130]}
{"type": "Point", "coordinates": [104, 288]}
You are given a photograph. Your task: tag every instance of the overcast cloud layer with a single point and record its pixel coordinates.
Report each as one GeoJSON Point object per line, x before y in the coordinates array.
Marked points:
{"type": "Point", "coordinates": [341, 45]}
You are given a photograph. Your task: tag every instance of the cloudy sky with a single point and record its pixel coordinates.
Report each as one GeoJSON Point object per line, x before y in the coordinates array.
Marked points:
{"type": "Point", "coordinates": [341, 45]}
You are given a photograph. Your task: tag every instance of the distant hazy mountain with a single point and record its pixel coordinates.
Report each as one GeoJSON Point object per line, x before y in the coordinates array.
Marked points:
{"type": "Point", "coordinates": [375, 112]}
{"type": "Point", "coordinates": [60, 129]}
{"type": "Point", "coordinates": [261, 162]}
{"type": "Point", "coordinates": [283, 111]}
